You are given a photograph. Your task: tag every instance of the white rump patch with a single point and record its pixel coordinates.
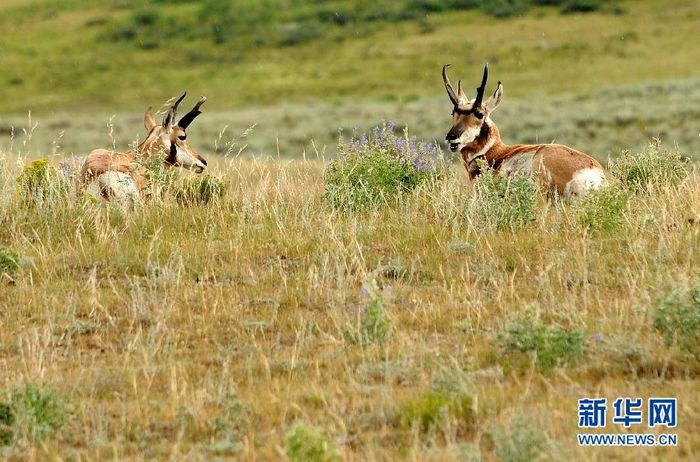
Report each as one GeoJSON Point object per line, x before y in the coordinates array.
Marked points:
{"type": "Point", "coordinates": [117, 186]}
{"type": "Point", "coordinates": [583, 180]}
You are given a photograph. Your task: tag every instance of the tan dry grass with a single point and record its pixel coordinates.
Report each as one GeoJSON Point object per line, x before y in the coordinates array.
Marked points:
{"type": "Point", "coordinates": [150, 324]}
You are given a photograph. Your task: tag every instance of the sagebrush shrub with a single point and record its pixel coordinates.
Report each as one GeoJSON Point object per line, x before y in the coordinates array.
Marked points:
{"type": "Point", "coordinates": [379, 166]}
{"type": "Point", "coordinates": [520, 441]}
{"type": "Point", "coordinates": [553, 346]}
{"type": "Point", "coordinates": [650, 170]}
{"type": "Point", "coordinates": [602, 210]}
{"type": "Point", "coordinates": [34, 182]}
{"type": "Point", "coordinates": [503, 203]}
{"type": "Point", "coordinates": [305, 443]}
{"type": "Point", "coordinates": [677, 318]}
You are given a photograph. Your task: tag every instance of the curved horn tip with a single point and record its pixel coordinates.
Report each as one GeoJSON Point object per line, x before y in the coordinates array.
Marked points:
{"type": "Point", "coordinates": [179, 100]}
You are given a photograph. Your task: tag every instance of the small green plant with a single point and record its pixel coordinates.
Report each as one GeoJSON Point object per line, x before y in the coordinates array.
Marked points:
{"type": "Point", "coordinates": [677, 318]}
{"type": "Point", "coordinates": [503, 203]}
{"type": "Point", "coordinates": [378, 167]}
{"type": "Point", "coordinates": [375, 325]}
{"type": "Point", "coordinates": [305, 443]}
{"type": "Point", "coordinates": [650, 170]}
{"type": "Point", "coordinates": [552, 346]}
{"type": "Point", "coordinates": [520, 441]}
{"type": "Point", "coordinates": [602, 210]}
{"type": "Point", "coordinates": [430, 409]}
{"type": "Point", "coordinates": [32, 413]}
{"type": "Point", "coordinates": [9, 261]}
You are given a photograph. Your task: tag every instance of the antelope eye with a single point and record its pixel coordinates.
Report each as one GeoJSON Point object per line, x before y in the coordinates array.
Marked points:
{"type": "Point", "coordinates": [182, 137]}
{"type": "Point", "coordinates": [478, 115]}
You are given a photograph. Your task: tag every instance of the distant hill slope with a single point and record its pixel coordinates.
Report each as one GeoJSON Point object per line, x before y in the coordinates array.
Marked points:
{"type": "Point", "coordinates": [95, 57]}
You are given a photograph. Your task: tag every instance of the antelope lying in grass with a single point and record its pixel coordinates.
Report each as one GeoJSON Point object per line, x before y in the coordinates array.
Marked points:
{"type": "Point", "coordinates": [121, 175]}
{"type": "Point", "coordinates": [558, 170]}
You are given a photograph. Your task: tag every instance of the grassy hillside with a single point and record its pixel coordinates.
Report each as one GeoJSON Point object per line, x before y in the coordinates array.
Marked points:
{"type": "Point", "coordinates": [63, 57]}
{"type": "Point", "coordinates": [63, 63]}
{"type": "Point", "coordinates": [238, 329]}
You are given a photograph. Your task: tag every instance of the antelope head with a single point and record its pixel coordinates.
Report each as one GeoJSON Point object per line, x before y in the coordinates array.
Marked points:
{"type": "Point", "coordinates": [171, 137]}
{"type": "Point", "coordinates": [469, 117]}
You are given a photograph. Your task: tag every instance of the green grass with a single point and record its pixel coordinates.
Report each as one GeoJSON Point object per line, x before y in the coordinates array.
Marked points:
{"type": "Point", "coordinates": [81, 71]}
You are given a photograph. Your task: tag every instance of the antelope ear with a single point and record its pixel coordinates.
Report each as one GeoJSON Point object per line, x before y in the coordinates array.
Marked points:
{"type": "Point", "coordinates": [168, 120]}
{"type": "Point", "coordinates": [495, 99]}
{"type": "Point", "coordinates": [149, 120]}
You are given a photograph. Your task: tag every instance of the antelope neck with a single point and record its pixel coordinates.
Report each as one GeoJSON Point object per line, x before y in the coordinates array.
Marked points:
{"type": "Point", "coordinates": [483, 145]}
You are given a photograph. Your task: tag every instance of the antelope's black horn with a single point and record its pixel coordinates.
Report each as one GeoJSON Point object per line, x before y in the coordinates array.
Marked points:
{"type": "Point", "coordinates": [190, 116]}
{"type": "Point", "coordinates": [448, 86]}
{"type": "Point", "coordinates": [480, 90]}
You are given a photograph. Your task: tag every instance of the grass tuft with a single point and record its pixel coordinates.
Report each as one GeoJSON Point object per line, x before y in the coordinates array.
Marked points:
{"type": "Point", "coordinates": [305, 443]}
{"type": "Point", "coordinates": [677, 319]}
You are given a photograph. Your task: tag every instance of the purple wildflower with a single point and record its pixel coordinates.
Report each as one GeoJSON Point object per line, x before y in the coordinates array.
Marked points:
{"type": "Point", "coordinates": [71, 165]}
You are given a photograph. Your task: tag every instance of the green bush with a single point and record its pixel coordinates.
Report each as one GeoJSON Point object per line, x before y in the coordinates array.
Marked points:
{"type": "Point", "coordinates": [378, 167]}
{"type": "Point", "coordinates": [503, 203]}
{"type": "Point", "coordinates": [31, 413]}
{"type": "Point", "coordinates": [9, 261]}
{"type": "Point", "coordinates": [305, 443]}
{"type": "Point", "coordinates": [677, 318]}
{"type": "Point", "coordinates": [602, 210]}
{"type": "Point", "coordinates": [552, 346]}
{"type": "Point", "coordinates": [650, 170]}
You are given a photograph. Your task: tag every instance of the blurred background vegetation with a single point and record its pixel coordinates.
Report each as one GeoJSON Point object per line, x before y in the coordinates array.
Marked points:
{"type": "Point", "coordinates": [600, 75]}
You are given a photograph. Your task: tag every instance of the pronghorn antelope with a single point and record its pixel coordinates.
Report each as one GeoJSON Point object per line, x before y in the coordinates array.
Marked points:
{"type": "Point", "coordinates": [120, 175]}
{"type": "Point", "coordinates": [558, 170]}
